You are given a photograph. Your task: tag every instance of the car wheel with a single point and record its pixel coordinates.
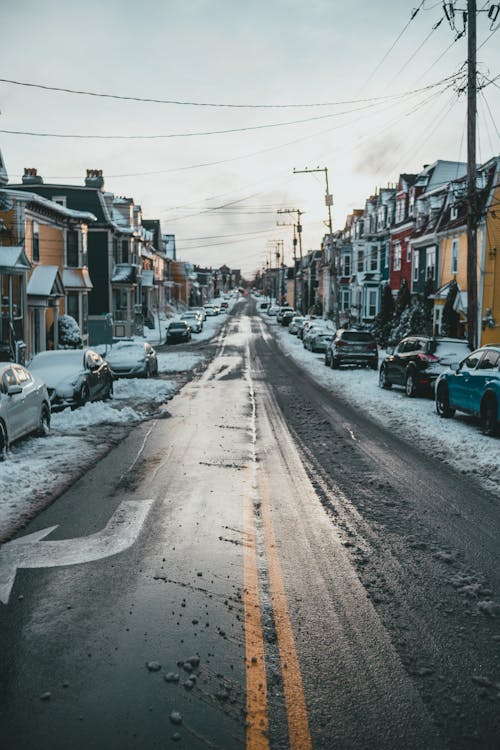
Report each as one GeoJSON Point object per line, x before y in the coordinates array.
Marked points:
{"type": "Point", "coordinates": [84, 395]}
{"type": "Point", "coordinates": [383, 380]}
{"type": "Point", "coordinates": [44, 422]}
{"type": "Point", "coordinates": [410, 385]}
{"type": "Point", "coordinates": [147, 372]}
{"type": "Point", "coordinates": [373, 365]}
{"type": "Point", "coordinates": [489, 424]}
{"type": "Point", "coordinates": [326, 360]}
{"type": "Point", "coordinates": [4, 442]}
{"type": "Point", "coordinates": [335, 363]}
{"type": "Point", "coordinates": [443, 407]}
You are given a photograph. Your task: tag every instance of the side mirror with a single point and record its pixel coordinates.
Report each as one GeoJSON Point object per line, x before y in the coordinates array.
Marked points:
{"type": "Point", "coordinates": [390, 350]}
{"type": "Point", "coordinates": [455, 366]}
{"type": "Point", "coordinates": [13, 390]}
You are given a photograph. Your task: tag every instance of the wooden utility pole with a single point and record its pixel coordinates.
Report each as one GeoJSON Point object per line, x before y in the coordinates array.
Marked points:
{"type": "Point", "coordinates": [471, 177]}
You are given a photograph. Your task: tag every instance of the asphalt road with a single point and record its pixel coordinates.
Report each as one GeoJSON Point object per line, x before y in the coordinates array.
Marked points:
{"type": "Point", "coordinates": [263, 567]}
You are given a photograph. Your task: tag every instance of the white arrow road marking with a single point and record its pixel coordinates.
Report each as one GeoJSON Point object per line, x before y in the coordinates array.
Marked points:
{"type": "Point", "coordinates": [30, 551]}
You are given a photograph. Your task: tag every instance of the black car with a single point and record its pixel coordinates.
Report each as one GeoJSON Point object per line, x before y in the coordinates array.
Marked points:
{"type": "Point", "coordinates": [287, 318]}
{"type": "Point", "coordinates": [417, 362]}
{"type": "Point", "coordinates": [177, 332]}
{"type": "Point", "coordinates": [352, 347]}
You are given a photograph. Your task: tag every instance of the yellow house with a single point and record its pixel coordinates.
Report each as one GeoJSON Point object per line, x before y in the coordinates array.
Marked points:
{"type": "Point", "coordinates": [53, 241]}
{"type": "Point", "coordinates": [489, 253]}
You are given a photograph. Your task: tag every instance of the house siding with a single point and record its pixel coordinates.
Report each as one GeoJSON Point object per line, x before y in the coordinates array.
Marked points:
{"type": "Point", "coordinates": [98, 264]}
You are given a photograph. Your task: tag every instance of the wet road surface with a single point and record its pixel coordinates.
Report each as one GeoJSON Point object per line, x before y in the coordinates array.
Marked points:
{"type": "Point", "coordinates": [262, 567]}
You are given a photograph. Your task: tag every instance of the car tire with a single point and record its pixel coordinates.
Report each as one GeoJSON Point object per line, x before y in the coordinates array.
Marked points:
{"type": "Point", "coordinates": [84, 395]}
{"type": "Point", "coordinates": [373, 365]}
{"type": "Point", "coordinates": [147, 372]}
{"type": "Point", "coordinates": [383, 380]}
{"type": "Point", "coordinates": [488, 416]}
{"type": "Point", "coordinates": [109, 391]}
{"type": "Point", "coordinates": [43, 428]}
{"type": "Point", "coordinates": [410, 384]}
{"type": "Point", "coordinates": [443, 407]}
{"type": "Point", "coordinates": [327, 363]}
{"type": "Point", "coordinates": [335, 363]}
{"type": "Point", "coordinates": [4, 442]}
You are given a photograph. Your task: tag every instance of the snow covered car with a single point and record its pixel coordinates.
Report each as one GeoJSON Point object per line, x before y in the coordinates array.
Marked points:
{"type": "Point", "coordinates": [24, 405]}
{"type": "Point", "coordinates": [317, 337]}
{"type": "Point", "coordinates": [132, 359]}
{"type": "Point", "coordinates": [473, 387]}
{"type": "Point", "coordinates": [211, 310]}
{"type": "Point", "coordinates": [194, 321]}
{"type": "Point", "coordinates": [352, 347]}
{"type": "Point", "coordinates": [201, 311]}
{"type": "Point", "coordinates": [294, 324]}
{"type": "Point", "coordinates": [73, 376]}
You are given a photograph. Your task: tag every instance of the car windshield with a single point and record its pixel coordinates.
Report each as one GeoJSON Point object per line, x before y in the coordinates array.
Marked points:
{"type": "Point", "coordinates": [63, 358]}
{"type": "Point", "coordinates": [177, 326]}
{"type": "Point", "coordinates": [358, 336]}
{"type": "Point", "coordinates": [451, 351]}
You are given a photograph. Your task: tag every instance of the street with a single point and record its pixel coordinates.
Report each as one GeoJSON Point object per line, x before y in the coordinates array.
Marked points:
{"type": "Point", "coordinates": [261, 566]}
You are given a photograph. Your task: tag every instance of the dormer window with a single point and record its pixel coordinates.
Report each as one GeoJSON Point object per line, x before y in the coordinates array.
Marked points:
{"type": "Point", "coordinates": [454, 212]}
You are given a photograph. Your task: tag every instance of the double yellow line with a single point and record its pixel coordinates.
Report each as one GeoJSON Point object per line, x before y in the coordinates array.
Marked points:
{"type": "Point", "coordinates": [257, 731]}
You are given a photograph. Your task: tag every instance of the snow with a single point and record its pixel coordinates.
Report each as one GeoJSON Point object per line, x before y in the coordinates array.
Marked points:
{"type": "Point", "coordinates": [37, 469]}
{"type": "Point", "coordinates": [457, 442]}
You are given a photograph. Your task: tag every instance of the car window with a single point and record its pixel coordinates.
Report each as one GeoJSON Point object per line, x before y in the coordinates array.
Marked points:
{"type": "Point", "coordinates": [357, 336]}
{"type": "Point", "coordinates": [490, 360]}
{"type": "Point", "coordinates": [472, 361]}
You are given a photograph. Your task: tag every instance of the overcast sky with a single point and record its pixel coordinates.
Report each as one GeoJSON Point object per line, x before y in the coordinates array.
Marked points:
{"type": "Point", "coordinates": [264, 52]}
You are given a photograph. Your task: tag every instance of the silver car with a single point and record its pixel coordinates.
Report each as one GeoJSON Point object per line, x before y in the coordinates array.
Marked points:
{"type": "Point", "coordinates": [131, 359]}
{"type": "Point", "coordinates": [24, 405]}
{"type": "Point", "coordinates": [194, 320]}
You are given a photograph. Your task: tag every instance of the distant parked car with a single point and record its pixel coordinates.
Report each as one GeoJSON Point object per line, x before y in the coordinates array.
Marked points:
{"type": "Point", "coordinates": [73, 376]}
{"type": "Point", "coordinates": [201, 311]}
{"type": "Point", "coordinates": [263, 305]}
{"type": "Point", "coordinates": [132, 359]}
{"type": "Point", "coordinates": [308, 321]}
{"type": "Point", "coordinates": [293, 326]}
{"type": "Point", "coordinates": [473, 387]}
{"type": "Point", "coordinates": [211, 310]}
{"type": "Point", "coordinates": [24, 405]}
{"type": "Point", "coordinates": [282, 311]}
{"type": "Point", "coordinates": [273, 310]}
{"type": "Point", "coordinates": [194, 320]}
{"type": "Point", "coordinates": [317, 338]}
{"type": "Point", "coordinates": [417, 362]}
{"type": "Point", "coordinates": [177, 332]}
{"type": "Point", "coordinates": [352, 347]}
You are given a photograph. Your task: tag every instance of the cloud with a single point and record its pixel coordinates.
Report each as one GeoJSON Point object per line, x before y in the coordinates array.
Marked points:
{"type": "Point", "coordinates": [378, 156]}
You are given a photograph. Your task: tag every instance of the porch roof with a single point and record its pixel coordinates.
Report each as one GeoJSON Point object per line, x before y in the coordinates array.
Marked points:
{"type": "Point", "coordinates": [77, 278]}
{"type": "Point", "coordinates": [45, 281]}
{"type": "Point", "coordinates": [13, 260]}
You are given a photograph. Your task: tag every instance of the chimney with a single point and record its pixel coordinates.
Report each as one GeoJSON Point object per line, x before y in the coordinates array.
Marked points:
{"type": "Point", "coordinates": [94, 179]}
{"type": "Point", "coordinates": [31, 177]}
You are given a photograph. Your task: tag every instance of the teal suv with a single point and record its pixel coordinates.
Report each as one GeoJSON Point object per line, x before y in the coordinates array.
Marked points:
{"type": "Point", "coordinates": [473, 387]}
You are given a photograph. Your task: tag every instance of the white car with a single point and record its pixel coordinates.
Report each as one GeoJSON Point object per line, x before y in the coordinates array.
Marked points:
{"type": "Point", "coordinates": [24, 405]}
{"type": "Point", "coordinates": [194, 320]}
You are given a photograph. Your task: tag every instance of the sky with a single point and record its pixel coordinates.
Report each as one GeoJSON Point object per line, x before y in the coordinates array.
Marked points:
{"type": "Point", "coordinates": [366, 66]}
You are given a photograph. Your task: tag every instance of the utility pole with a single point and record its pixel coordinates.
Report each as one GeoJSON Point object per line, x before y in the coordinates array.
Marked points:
{"type": "Point", "coordinates": [472, 302]}
{"type": "Point", "coordinates": [297, 231]}
{"type": "Point", "coordinates": [333, 259]}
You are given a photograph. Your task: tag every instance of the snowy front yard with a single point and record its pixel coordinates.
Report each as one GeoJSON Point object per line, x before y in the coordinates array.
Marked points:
{"type": "Point", "coordinates": [457, 441]}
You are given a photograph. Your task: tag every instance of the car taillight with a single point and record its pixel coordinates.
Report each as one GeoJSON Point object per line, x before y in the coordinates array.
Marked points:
{"type": "Point", "coordinates": [341, 343]}
{"type": "Point", "coordinates": [372, 345]}
{"type": "Point", "coordinates": [427, 357]}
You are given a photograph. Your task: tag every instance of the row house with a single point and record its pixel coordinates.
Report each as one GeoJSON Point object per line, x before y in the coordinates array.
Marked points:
{"type": "Point", "coordinates": [43, 271]}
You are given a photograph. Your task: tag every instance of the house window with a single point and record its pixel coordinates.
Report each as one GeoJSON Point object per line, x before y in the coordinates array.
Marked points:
{"type": "Point", "coordinates": [116, 256]}
{"type": "Point", "coordinates": [411, 207]}
{"type": "Point", "coordinates": [371, 303]}
{"type": "Point", "coordinates": [35, 242]}
{"type": "Point", "coordinates": [400, 210]}
{"type": "Point", "coordinates": [408, 253]}
{"type": "Point", "coordinates": [72, 248]}
{"type": "Point", "coordinates": [361, 260]}
{"type": "Point", "coordinates": [85, 314]}
{"type": "Point", "coordinates": [387, 255]}
{"type": "Point", "coordinates": [454, 212]}
{"type": "Point", "coordinates": [374, 258]}
{"type": "Point", "coordinates": [72, 305]}
{"type": "Point", "coordinates": [454, 257]}
{"type": "Point", "coordinates": [345, 299]}
{"type": "Point", "coordinates": [397, 257]}
{"type": "Point", "coordinates": [430, 262]}
{"type": "Point", "coordinates": [346, 263]}
{"type": "Point", "coordinates": [124, 253]}
{"type": "Point", "coordinates": [60, 200]}
{"type": "Point", "coordinates": [416, 265]}
{"type": "Point", "coordinates": [84, 249]}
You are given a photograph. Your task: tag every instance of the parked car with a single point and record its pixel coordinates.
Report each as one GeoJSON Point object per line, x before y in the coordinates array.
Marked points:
{"type": "Point", "coordinates": [293, 326]}
{"type": "Point", "coordinates": [194, 320]}
{"type": "Point", "coordinates": [273, 310]}
{"type": "Point", "coordinates": [473, 387]}
{"type": "Point", "coordinates": [263, 305]}
{"type": "Point", "coordinates": [132, 359]}
{"type": "Point", "coordinates": [201, 311]}
{"type": "Point", "coordinates": [305, 325]}
{"type": "Point", "coordinates": [178, 331]}
{"type": "Point", "coordinates": [24, 405]}
{"type": "Point", "coordinates": [317, 338]}
{"type": "Point", "coordinates": [282, 311]}
{"type": "Point", "coordinates": [224, 305]}
{"type": "Point", "coordinates": [287, 317]}
{"type": "Point", "coordinates": [211, 310]}
{"type": "Point", "coordinates": [417, 362]}
{"type": "Point", "coordinates": [352, 347]}
{"type": "Point", "coordinates": [73, 376]}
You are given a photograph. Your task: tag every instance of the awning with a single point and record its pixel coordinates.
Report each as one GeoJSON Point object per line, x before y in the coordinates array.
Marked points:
{"type": "Point", "coordinates": [45, 281]}
{"type": "Point", "coordinates": [147, 278]}
{"type": "Point", "coordinates": [124, 273]}
{"type": "Point", "coordinates": [13, 260]}
{"type": "Point", "coordinates": [77, 278]}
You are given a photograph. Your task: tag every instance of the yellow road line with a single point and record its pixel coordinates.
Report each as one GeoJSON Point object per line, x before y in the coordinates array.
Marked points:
{"type": "Point", "coordinates": [256, 685]}
{"type": "Point", "coordinates": [298, 723]}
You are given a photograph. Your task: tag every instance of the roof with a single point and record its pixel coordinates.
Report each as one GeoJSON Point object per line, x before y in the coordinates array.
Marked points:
{"type": "Point", "coordinates": [39, 200]}
{"type": "Point", "coordinates": [124, 273]}
{"type": "Point", "coordinates": [13, 259]}
{"type": "Point", "coordinates": [77, 278]}
{"type": "Point", "coordinates": [45, 281]}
